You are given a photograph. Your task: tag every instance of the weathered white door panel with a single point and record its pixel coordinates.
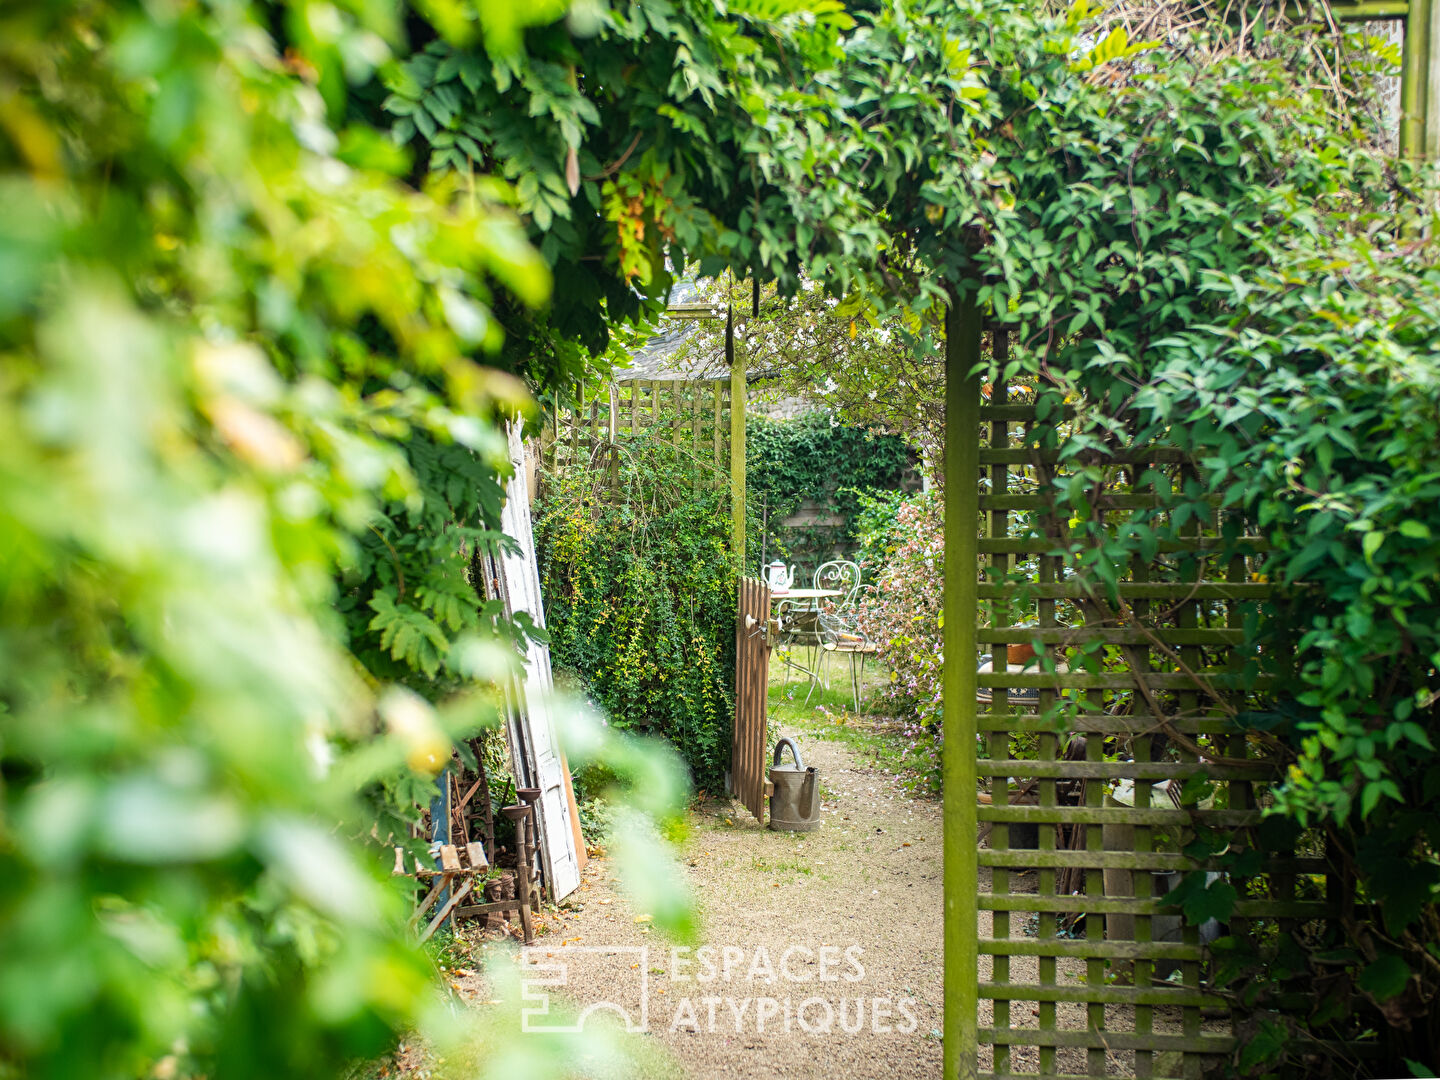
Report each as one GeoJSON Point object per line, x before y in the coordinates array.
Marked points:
{"type": "Point", "coordinates": [539, 758]}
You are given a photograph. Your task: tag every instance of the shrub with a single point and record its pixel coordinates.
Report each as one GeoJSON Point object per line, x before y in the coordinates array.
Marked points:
{"type": "Point", "coordinates": [902, 541]}
{"type": "Point", "coordinates": [639, 580]}
{"type": "Point", "coordinates": [814, 458]}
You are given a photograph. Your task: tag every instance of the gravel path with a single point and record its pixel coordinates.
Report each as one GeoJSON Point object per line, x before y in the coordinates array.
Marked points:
{"type": "Point", "coordinates": [836, 928]}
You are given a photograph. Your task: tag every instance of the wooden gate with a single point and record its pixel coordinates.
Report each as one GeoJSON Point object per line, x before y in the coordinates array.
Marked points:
{"type": "Point", "coordinates": [1104, 757]}
{"type": "Point", "coordinates": [750, 741]}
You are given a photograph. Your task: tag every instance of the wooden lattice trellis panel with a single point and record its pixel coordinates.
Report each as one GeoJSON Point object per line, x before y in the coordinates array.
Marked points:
{"type": "Point", "coordinates": [1083, 971]}
{"type": "Point", "coordinates": [692, 414]}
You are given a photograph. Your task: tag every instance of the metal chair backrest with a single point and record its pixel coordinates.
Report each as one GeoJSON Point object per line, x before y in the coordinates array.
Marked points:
{"type": "Point", "coordinates": [841, 576]}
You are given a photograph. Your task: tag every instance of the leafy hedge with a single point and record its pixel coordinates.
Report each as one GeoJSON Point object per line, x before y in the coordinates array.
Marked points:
{"type": "Point", "coordinates": [639, 580]}
{"type": "Point", "coordinates": [815, 458]}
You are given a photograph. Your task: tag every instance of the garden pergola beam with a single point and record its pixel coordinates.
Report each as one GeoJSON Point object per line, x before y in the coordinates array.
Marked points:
{"type": "Point", "coordinates": [1371, 11]}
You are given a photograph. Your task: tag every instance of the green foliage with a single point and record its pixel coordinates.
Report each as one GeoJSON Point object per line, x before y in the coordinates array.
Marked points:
{"type": "Point", "coordinates": [624, 129]}
{"type": "Point", "coordinates": [411, 598]}
{"type": "Point", "coordinates": [814, 458]}
{"type": "Point", "coordinates": [866, 364]}
{"type": "Point", "coordinates": [239, 364]}
{"type": "Point", "coordinates": [1210, 259]}
{"type": "Point", "coordinates": [878, 525]}
{"type": "Point", "coordinates": [639, 580]}
{"type": "Point", "coordinates": [1262, 312]}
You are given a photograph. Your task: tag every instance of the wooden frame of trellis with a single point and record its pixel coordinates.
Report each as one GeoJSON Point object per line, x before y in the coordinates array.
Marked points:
{"type": "Point", "coordinates": [735, 357]}
{"type": "Point", "coordinates": [693, 414]}
{"type": "Point", "coordinates": [1178, 632]}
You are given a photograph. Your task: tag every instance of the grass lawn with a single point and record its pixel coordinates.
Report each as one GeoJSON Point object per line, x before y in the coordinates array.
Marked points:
{"type": "Point", "coordinates": [830, 714]}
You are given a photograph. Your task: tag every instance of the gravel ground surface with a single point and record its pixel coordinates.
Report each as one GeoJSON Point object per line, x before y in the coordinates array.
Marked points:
{"type": "Point", "coordinates": [836, 928]}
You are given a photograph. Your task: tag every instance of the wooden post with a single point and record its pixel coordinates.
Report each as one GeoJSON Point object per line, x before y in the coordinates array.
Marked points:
{"type": "Point", "coordinates": [523, 858]}
{"type": "Point", "coordinates": [1429, 11]}
{"type": "Point", "coordinates": [1415, 67]}
{"type": "Point", "coordinates": [576, 418]}
{"type": "Point", "coordinates": [612, 451]}
{"type": "Point", "coordinates": [735, 354]}
{"type": "Point", "coordinates": [696, 389]}
{"type": "Point", "coordinates": [719, 402]}
{"type": "Point", "coordinates": [961, 555]}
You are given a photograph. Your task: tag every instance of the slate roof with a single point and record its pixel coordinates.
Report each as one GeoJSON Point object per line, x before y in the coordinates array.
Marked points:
{"type": "Point", "coordinates": [656, 358]}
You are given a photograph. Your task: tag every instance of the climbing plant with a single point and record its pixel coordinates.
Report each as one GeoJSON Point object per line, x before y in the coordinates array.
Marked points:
{"type": "Point", "coordinates": [854, 356]}
{"type": "Point", "coordinates": [815, 459]}
{"type": "Point", "coordinates": [621, 127]}
{"type": "Point", "coordinates": [639, 580]}
{"type": "Point", "coordinates": [241, 360]}
{"type": "Point", "coordinates": [409, 596]}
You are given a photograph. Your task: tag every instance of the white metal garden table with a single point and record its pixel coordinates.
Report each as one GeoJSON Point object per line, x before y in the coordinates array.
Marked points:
{"type": "Point", "coordinates": [796, 622]}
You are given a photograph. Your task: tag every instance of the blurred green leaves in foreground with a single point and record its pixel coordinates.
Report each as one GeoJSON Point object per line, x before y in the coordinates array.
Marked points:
{"type": "Point", "coordinates": [225, 327]}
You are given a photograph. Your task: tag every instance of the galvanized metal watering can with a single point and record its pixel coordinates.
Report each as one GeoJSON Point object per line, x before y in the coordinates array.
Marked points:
{"type": "Point", "coordinates": [795, 792]}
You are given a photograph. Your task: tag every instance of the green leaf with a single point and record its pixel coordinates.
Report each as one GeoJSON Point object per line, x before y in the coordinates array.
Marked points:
{"type": "Point", "coordinates": [1385, 978]}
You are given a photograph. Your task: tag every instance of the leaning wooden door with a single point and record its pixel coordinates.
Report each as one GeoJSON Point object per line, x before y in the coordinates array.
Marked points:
{"type": "Point", "coordinates": [752, 677]}
{"type": "Point", "coordinates": [532, 703]}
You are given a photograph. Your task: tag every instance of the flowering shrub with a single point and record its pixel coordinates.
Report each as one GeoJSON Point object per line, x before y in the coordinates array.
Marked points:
{"type": "Point", "coordinates": [902, 541]}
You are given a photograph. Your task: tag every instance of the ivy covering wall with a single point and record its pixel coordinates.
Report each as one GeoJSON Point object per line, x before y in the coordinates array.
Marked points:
{"type": "Point", "coordinates": [813, 459]}
{"type": "Point", "coordinates": [639, 578]}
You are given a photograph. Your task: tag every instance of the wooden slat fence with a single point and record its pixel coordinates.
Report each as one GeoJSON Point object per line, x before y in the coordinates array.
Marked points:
{"type": "Point", "coordinates": [1083, 972]}
{"type": "Point", "coordinates": [691, 414]}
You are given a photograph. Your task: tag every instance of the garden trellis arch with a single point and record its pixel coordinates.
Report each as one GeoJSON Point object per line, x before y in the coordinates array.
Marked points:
{"type": "Point", "coordinates": [1005, 986]}
{"type": "Point", "coordinates": [1029, 992]}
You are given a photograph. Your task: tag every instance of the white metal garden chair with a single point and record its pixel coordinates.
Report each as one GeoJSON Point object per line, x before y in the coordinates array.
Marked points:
{"type": "Point", "coordinates": [796, 625]}
{"type": "Point", "coordinates": [842, 577]}
{"type": "Point", "coordinates": [844, 636]}
{"type": "Point", "coordinates": [840, 626]}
